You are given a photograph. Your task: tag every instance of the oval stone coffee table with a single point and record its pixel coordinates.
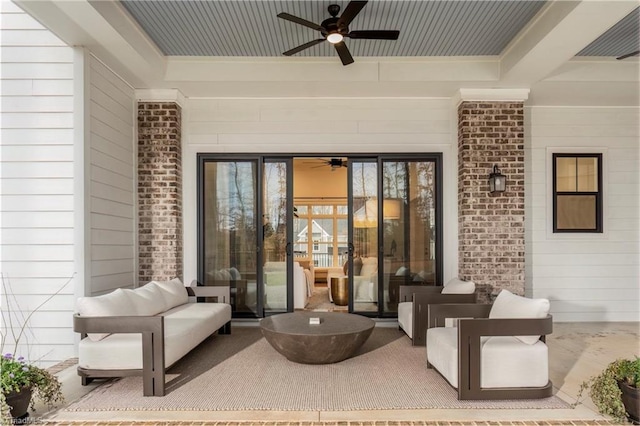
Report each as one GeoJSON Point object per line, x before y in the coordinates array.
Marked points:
{"type": "Point", "coordinates": [335, 339]}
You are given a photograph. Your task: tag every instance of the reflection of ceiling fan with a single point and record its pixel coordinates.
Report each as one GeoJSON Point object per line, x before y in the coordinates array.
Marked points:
{"type": "Point", "coordinates": [335, 163]}
{"type": "Point", "coordinates": [628, 55]}
{"type": "Point", "coordinates": [335, 29]}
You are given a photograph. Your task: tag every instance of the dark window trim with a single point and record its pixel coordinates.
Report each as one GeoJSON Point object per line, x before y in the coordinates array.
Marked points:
{"type": "Point", "coordinates": [598, 193]}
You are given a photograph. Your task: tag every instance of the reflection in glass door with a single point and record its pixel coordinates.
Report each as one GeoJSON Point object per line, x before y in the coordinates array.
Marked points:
{"type": "Point", "coordinates": [228, 231]}
{"type": "Point", "coordinates": [363, 253]}
{"type": "Point", "coordinates": [409, 233]}
{"type": "Point", "coordinates": [277, 247]}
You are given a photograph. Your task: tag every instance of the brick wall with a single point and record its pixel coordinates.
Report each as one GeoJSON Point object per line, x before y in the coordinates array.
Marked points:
{"type": "Point", "coordinates": [159, 191]}
{"type": "Point", "coordinates": [491, 227]}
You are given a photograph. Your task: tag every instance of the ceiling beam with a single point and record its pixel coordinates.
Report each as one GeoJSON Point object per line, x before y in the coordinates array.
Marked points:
{"type": "Point", "coordinates": [560, 30]}
{"type": "Point", "coordinates": [107, 31]}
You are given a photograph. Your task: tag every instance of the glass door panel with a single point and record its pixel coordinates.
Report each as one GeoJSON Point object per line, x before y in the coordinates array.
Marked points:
{"type": "Point", "coordinates": [276, 240]}
{"type": "Point", "coordinates": [229, 231]}
{"type": "Point", "coordinates": [409, 226]}
{"type": "Point", "coordinates": [363, 265]}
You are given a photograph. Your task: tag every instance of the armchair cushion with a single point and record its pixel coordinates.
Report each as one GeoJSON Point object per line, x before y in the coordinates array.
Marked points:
{"type": "Point", "coordinates": [506, 362]}
{"type": "Point", "coordinates": [509, 305]}
{"type": "Point", "coordinates": [457, 286]}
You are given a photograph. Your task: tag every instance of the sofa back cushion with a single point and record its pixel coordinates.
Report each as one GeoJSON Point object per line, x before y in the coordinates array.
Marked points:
{"type": "Point", "coordinates": [147, 300]}
{"type": "Point", "coordinates": [115, 303]}
{"type": "Point", "coordinates": [173, 292]}
{"type": "Point", "coordinates": [509, 305]}
{"type": "Point", "coordinates": [457, 286]}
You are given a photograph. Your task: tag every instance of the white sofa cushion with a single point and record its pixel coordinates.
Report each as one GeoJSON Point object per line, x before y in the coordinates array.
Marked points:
{"type": "Point", "coordinates": [112, 304]}
{"type": "Point", "coordinates": [147, 300]}
{"type": "Point", "coordinates": [369, 267]}
{"type": "Point", "coordinates": [173, 292]}
{"type": "Point", "coordinates": [405, 317]}
{"type": "Point", "coordinates": [457, 286]}
{"type": "Point", "coordinates": [505, 361]}
{"type": "Point", "coordinates": [184, 328]}
{"type": "Point", "coordinates": [509, 305]}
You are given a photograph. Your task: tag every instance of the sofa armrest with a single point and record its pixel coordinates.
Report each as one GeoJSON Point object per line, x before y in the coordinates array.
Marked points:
{"type": "Point", "coordinates": [222, 293]}
{"type": "Point", "coordinates": [407, 291]}
{"type": "Point", "coordinates": [152, 330]}
{"type": "Point", "coordinates": [438, 313]}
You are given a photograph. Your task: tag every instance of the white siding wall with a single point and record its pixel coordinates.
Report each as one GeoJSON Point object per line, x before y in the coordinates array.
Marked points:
{"type": "Point", "coordinates": [331, 126]}
{"type": "Point", "coordinates": [37, 183]}
{"type": "Point", "coordinates": [588, 277]}
{"type": "Point", "coordinates": [112, 176]}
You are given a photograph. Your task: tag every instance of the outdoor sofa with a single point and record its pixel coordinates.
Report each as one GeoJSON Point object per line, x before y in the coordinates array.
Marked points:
{"type": "Point", "coordinates": [146, 330]}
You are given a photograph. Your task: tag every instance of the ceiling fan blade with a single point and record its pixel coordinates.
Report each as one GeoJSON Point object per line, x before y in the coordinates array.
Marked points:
{"type": "Point", "coordinates": [350, 12]}
{"type": "Point", "coordinates": [300, 21]}
{"type": "Point", "coordinates": [302, 47]}
{"type": "Point", "coordinates": [376, 35]}
{"type": "Point", "coordinates": [628, 55]}
{"type": "Point", "coordinates": [343, 52]}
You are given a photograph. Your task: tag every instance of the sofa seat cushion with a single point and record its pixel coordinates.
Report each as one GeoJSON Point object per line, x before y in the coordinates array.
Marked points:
{"type": "Point", "coordinates": [185, 326]}
{"type": "Point", "coordinates": [506, 361]}
{"type": "Point", "coordinates": [405, 317]}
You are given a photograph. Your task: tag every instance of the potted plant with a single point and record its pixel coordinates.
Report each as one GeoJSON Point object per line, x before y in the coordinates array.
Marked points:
{"type": "Point", "coordinates": [616, 390]}
{"type": "Point", "coordinates": [21, 380]}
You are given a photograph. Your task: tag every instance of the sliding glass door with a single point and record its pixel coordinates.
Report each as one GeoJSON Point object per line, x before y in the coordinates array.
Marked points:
{"type": "Point", "coordinates": [228, 231]}
{"type": "Point", "coordinates": [389, 228]}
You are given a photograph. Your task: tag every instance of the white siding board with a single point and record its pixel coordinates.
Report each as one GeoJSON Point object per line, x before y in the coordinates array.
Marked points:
{"type": "Point", "coordinates": [110, 133]}
{"type": "Point", "coordinates": [28, 153]}
{"type": "Point", "coordinates": [42, 71]}
{"type": "Point", "coordinates": [32, 220]}
{"type": "Point", "coordinates": [99, 68]}
{"type": "Point", "coordinates": [112, 149]}
{"type": "Point", "coordinates": [26, 269]}
{"type": "Point", "coordinates": [108, 192]}
{"type": "Point", "coordinates": [37, 54]}
{"type": "Point", "coordinates": [108, 117]}
{"type": "Point", "coordinates": [33, 120]}
{"type": "Point", "coordinates": [37, 253]}
{"type": "Point", "coordinates": [113, 91]}
{"type": "Point", "coordinates": [37, 186]}
{"type": "Point", "coordinates": [36, 136]}
{"type": "Point", "coordinates": [106, 161]}
{"type": "Point", "coordinates": [47, 87]}
{"type": "Point", "coordinates": [99, 174]}
{"type": "Point", "coordinates": [111, 105]}
{"type": "Point", "coordinates": [107, 237]}
{"type": "Point", "coordinates": [101, 221]}
{"type": "Point", "coordinates": [587, 277]}
{"type": "Point", "coordinates": [112, 252]}
{"type": "Point", "coordinates": [99, 205]}
{"type": "Point", "coordinates": [40, 169]}
{"type": "Point", "coordinates": [27, 37]}
{"type": "Point", "coordinates": [42, 236]}
{"type": "Point", "coordinates": [42, 203]}
{"type": "Point", "coordinates": [107, 283]}
{"type": "Point", "coordinates": [109, 267]}
{"type": "Point", "coordinates": [37, 104]}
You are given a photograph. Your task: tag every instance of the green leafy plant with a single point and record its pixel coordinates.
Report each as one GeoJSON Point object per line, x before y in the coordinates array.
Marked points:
{"type": "Point", "coordinates": [17, 374]}
{"type": "Point", "coordinates": [605, 391]}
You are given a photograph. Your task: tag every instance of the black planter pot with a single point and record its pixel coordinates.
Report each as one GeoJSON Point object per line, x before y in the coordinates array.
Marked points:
{"type": "Point", "coordinates": [19, 402]}
{"type": "Point", "coordinates": [631, 401]}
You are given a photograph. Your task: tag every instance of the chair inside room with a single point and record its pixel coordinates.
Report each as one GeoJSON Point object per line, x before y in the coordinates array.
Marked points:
{"type": "Point", "coordinates": [495, 351]}
{"type": "Point", "coordinates": [414, 300]}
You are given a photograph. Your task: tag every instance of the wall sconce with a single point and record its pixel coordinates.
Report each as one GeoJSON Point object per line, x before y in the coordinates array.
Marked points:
{"type": "Point", "coordinates": [497, 181]}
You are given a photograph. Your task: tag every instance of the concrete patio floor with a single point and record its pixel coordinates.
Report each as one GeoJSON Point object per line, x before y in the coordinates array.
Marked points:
{"type": "Point", "coordinates": [577, 352]}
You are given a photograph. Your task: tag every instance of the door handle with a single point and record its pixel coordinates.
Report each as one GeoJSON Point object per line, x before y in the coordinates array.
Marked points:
{"type": "Point", "coordinates": [288, 249]}
{"type": "Point", "coordinates": [351, 249]}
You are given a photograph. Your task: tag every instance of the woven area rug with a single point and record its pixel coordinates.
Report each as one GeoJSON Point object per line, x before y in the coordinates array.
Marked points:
{"type": "Point", "coordinates": [242, 371]}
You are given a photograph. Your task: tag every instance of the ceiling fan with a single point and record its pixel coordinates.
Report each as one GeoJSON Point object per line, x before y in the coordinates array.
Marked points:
{"type": "Point", "coordinates": [628, 55]}
{"type": "Point", "coordinates": [335, 29]}
{"type": "Point", "coordinates": [335, 163]}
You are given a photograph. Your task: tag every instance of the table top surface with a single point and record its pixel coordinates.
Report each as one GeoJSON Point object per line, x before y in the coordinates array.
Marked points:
{"type": "Point", "coordinates": [331, 323]}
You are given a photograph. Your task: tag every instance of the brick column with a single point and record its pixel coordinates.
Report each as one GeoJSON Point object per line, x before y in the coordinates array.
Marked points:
{"type": "Point", "coordinates": [159, 191]}
{"type": "Point", "coordinates": [491, 227]}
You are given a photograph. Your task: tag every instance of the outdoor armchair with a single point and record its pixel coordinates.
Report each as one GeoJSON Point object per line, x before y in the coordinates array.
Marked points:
{"type": "Point", "coordinates": [496, 351]}
{"type": "Point", "coordinates": [414, 300]}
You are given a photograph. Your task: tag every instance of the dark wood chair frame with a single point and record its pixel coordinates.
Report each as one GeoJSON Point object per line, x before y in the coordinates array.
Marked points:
{"type": "Point", "coordinates": [474, 323]}
{"type": "Point", "coordinates": [152, 330]}
{"type": "Point", "coordinates": [422, 296]}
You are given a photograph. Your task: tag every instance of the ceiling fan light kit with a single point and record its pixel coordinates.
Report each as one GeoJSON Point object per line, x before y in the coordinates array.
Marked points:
{"type": "Point", "coordinates": [335, 29]}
